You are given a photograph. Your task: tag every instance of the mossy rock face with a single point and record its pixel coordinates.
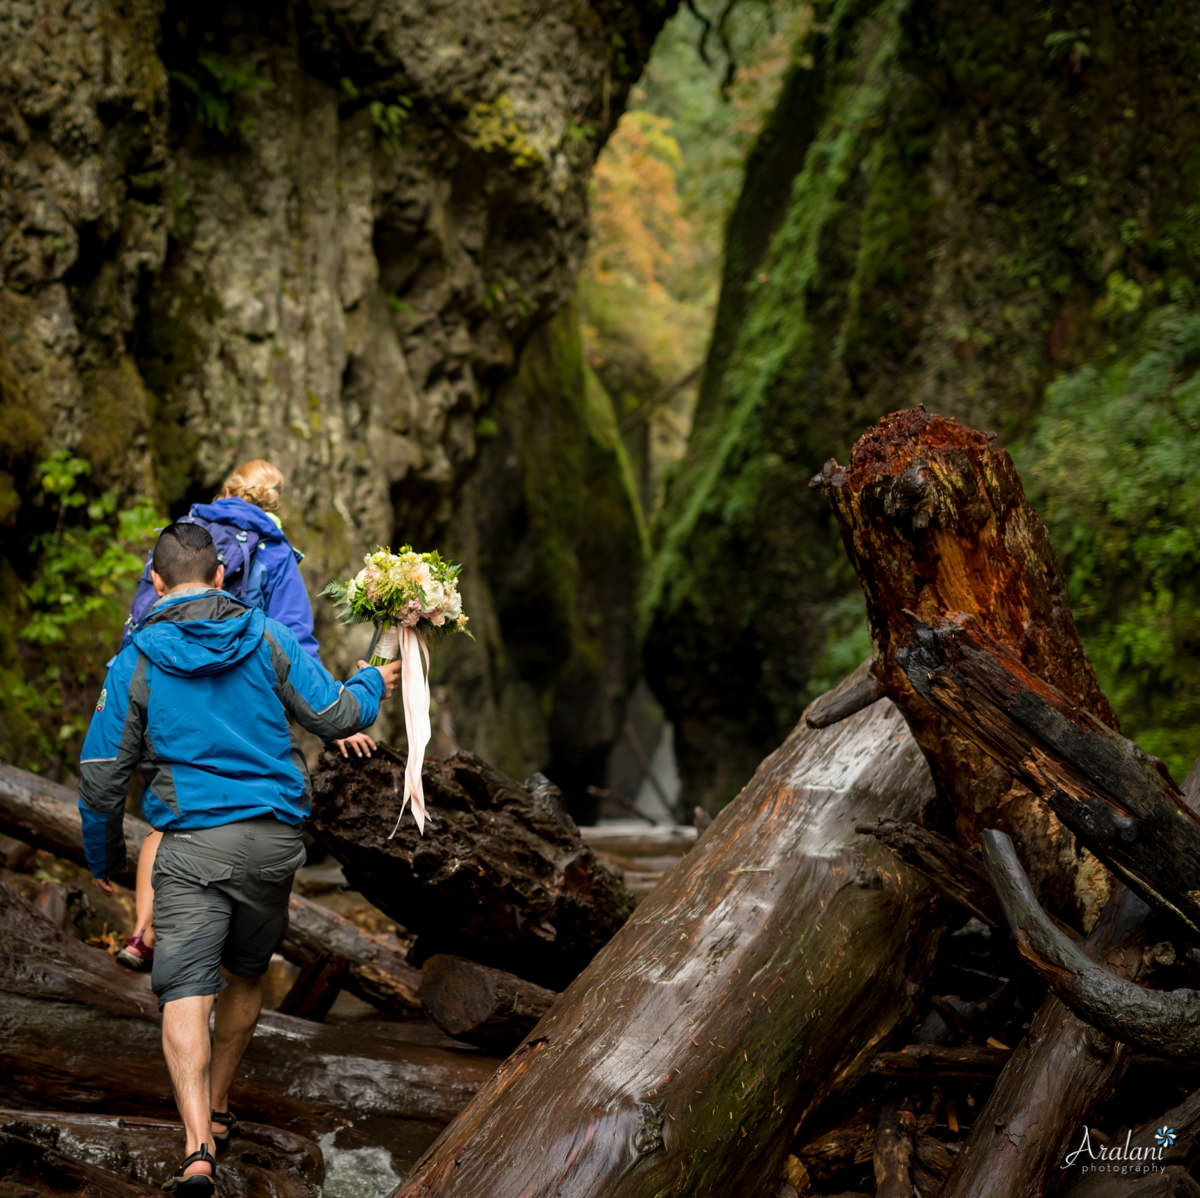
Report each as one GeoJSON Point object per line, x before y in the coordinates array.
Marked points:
{"type": "Point", "coordinates": [946, 229]}
{"type": "Point", "coordinates": [325, 235]}
{"type": "Point", "coordinates": [558, 539]}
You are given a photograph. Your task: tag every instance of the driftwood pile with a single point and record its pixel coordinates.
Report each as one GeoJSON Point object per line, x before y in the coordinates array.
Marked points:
{"type": "Point", "coordinates": [79, 1050]}
{"type": "Point", "coordinates": [943, 943]}
{"type": "Point", "coordinates": [825, 996]}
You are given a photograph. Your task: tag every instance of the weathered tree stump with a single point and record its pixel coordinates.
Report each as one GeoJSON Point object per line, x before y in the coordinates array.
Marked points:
{"type": "Point", "coordinates": [935, 522]}
{"type": "Point", "coordinates": [501, 875]}
{"type": "Point", "coordinates": [1123, 805]}
{"type": "Point", "coordinates": [683, 1058]}
{"type": "Point", "coordinates": [480, 1005]}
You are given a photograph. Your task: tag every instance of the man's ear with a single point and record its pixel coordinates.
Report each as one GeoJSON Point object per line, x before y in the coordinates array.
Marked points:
{"type": "Point", "coordinates": [160, 587]}
{"type": "Point", "coordinates": [219, 577]}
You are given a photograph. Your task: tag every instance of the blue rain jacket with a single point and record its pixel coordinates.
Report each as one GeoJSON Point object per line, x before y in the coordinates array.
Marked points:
{"type": "Point", "coordinates": [200, 700]}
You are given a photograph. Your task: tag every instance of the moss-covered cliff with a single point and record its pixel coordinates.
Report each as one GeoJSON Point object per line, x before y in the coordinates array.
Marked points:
{"type": "Point", "coordinates": [952, 203]}
{"type": "Point", "coordinates": [322, 233]}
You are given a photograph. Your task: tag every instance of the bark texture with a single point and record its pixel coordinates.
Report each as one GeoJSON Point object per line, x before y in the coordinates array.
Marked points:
{"type": "Point", "coordinates": [681, 1060]}
{"type": "Point", "coordinates": [501, 875]}
{"type": "Point", "coordinates": [935, 520]}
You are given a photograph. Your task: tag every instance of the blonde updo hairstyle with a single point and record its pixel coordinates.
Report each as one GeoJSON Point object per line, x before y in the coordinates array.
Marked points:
{"type": "Point", "coordinates": [258, 482]}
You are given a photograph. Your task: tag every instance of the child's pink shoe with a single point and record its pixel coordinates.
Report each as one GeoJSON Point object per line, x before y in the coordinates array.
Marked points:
{"type": "Point", "coordinates": [136, 954]}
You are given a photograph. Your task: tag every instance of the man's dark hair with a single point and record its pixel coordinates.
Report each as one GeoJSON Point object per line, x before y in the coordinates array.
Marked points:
{"type": "Point", "coordinates": [185, 552]}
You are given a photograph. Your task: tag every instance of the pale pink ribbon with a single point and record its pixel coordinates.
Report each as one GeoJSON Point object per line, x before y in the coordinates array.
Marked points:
{"type": "Point", "coordinates": [414, 690]}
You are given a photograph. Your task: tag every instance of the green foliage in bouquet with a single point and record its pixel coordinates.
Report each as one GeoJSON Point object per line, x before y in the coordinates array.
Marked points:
{"type": "Point", "coordinates": [416, 589]}
{"type": "Point", "coordinates": [1113, 472]}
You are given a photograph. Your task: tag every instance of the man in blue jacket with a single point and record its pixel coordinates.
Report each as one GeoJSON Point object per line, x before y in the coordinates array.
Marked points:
{"type": "Point", "coordinates": [200, 700]}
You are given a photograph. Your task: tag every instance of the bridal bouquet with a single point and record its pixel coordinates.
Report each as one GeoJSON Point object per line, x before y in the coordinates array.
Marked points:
{"type": "Point", "coordinates": [406, 595]}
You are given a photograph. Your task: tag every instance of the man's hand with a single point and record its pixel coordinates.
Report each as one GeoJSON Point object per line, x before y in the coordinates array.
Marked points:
{"type": "Point", "coordinates": [106, 886]}
{"type": "Point", "coordinates": [390, 672]}
{"type": "Point", "coordinates": [360, 742]}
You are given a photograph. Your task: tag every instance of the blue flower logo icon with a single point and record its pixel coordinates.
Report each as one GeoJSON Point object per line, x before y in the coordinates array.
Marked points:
{"type": "Point", "coordinates": [1164, 1137]}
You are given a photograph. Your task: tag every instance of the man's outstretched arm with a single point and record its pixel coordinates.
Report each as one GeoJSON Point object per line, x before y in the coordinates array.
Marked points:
{"type": "Point", "coordinates": [315, 699]}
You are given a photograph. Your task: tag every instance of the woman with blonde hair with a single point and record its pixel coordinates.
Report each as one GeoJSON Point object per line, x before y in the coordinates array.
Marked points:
{"type": "Point", "coordinates": [262, 570]}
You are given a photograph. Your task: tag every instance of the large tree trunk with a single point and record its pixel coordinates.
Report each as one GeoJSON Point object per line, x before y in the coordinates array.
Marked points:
{"type": "Point", "coordinates": [683, 1058]}
{"type": "Point", "coordinates": [45, 814]}
{"type": "Point", "coordinates": [501, 875]}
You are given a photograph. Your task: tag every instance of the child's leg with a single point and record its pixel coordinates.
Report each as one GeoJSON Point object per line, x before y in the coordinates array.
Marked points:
{"type": "Point", "coordinates": [143, 900]}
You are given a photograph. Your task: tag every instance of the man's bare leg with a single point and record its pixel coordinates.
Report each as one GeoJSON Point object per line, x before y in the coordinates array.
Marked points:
{"type": "Point", "coordinates": [238, 1006]}
{"type": "Point", "coordinates": [188, 1051]}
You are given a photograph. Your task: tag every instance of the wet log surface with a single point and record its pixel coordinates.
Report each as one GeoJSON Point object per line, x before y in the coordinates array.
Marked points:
{"type": "Point", "coordinates": [1123, 805]}
{"type": "Point", "coordinates": [682, 1058]}
{"type": "Point", "coordinates": [30, 1169]}
{"type": "Point", "coordinates": [481, 1005]}
{"type": "Point", "coordinates": [501, 875]}
{"type": "Point", "coordinates": [261, 1162]}
{"type": "Point", "coordinates": [45, 814]}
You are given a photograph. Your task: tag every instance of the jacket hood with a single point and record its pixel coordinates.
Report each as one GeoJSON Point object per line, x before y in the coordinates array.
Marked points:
{"type": "Point", "coordinates": [201, 632]}
{"type": "Point", "coordinates": [240, 514]}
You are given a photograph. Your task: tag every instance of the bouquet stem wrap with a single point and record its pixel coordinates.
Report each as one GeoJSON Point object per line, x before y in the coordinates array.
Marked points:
{"type": "Point", "coordinates": [414, 690]}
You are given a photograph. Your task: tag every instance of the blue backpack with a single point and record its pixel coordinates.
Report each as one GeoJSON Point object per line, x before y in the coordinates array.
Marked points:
{"type": "Point", "coordinates": [235, 551]}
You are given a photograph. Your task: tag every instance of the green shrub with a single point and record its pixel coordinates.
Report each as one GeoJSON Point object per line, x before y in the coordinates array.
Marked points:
{"type": "Point", "coordinates": [1114, 474]}
{"type": "Point", "coordinates": [68, 617]}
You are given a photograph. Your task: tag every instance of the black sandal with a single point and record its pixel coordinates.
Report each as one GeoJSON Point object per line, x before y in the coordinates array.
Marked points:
{"type": "Point", "coordinates": [193, 1185]}
{"type": "Point", "coordinates": [229, 1121]}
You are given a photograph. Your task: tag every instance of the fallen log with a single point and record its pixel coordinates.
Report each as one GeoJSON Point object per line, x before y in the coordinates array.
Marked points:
{"type": "Point", "coordinates": [45, 814]}
{"type": "Point", "coordinates": [893, 1152]}
{"type": "Point", "coordinates": [683, 1058]}
{"type": "Point", "coordinates": [958, 1062]}
{"type": "Point", "coordinates": [481, 1005]}
{"type": "Point", "coordinates": [260, 1162]}
{"type": "Point", "coordinates": [1123, 805]}
{"type": "Point", "coordinates": [501, 875]}
{"type": "Point", "coordinates": [105, 1056]}
{"type": "Point", "coordinates": [29, 1169]}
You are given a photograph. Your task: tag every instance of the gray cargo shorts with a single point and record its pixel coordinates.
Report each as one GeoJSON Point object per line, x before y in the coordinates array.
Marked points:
{"type": "Point", "coordinates": [220, 898]}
